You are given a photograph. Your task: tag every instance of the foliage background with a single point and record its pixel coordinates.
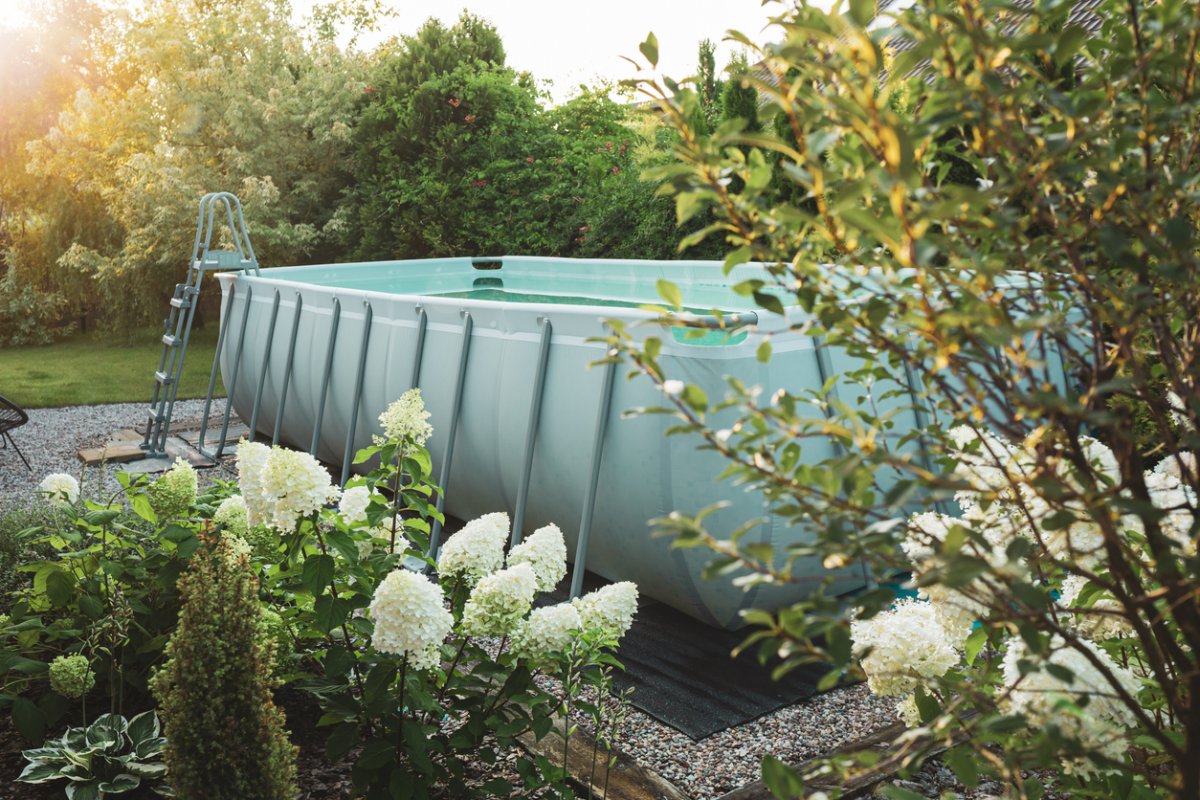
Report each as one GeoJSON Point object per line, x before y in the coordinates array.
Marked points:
{"type": "Point", "coordinates": [114, 123]}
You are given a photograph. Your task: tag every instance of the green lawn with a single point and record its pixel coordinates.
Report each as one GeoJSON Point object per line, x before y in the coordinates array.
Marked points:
{"type": "Point", "coordinates": [95, 367]}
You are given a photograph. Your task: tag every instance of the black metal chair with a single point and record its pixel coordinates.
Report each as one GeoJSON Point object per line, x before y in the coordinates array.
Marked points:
{"type": "Point", "coordinates": [12, 416]}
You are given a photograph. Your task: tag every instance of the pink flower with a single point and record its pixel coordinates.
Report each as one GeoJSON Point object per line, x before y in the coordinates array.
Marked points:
{"type": "Point", "coordinates": [369, 90]}
{"type": "Point", "coordinates": [469, 118]}
{"type": "Point", "coordinates": [616, 169]}
{"type": "Point", "coordinates": [585, 227]}
{"type": "Point", "coordinates": [608, 145]}
{"type": "Point", "coordinates": [454, 102]}
{"type": "Point", "coordinates": [479, 184]}
{"type": "Point", "coordinates": [529, 160]}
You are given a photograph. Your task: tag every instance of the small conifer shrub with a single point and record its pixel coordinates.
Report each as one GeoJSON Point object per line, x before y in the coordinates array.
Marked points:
{"type": "Point", "coordinates": [226, 738]}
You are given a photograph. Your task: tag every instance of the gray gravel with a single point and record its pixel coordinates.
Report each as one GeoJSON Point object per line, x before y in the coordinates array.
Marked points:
{"type": "Point", "coordinates": [52, 438]}
{"type": "Point", "coordinates": [704, 770]}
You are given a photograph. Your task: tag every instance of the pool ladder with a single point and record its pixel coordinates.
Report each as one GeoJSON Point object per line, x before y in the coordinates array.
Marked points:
{"type": "Point", "coordinates": [177, 327]}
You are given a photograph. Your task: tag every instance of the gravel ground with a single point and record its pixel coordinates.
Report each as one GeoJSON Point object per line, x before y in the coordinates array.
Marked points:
{"type": "Point", "coordinates": [53, 437]}
{"type": "Point", "coordinates": [704, 770]}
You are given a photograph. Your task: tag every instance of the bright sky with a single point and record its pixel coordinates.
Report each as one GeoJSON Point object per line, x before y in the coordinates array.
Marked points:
{"type": "Point", "coordinates": [566, 42]}
{"type": "Point", "coordinates": [570, 42]}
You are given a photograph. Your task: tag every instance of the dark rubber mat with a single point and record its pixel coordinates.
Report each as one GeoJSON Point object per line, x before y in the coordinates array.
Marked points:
{"type": "Point", "coordinates": [682, 674]}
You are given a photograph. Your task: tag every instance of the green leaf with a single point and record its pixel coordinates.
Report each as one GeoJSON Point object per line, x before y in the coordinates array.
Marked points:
{"type": "Point", "coordinates": [763, 354]}
{"type": "Point", "coordinates": [142, 727]}
{"type": "Point", "coordinates": [962, 761]}
{"type": "Point", "coordinates": [670, 292]}
{"type": "Point", "coordinates": [60, 588]}
{"type": "Point", "coordinates": [318, 571]}
{"type": "Point", "coordinates": [341, 740]}
{"type": "Point", "coordinates": [974, 644]}
{"type": "Point", "coordinates": [781, 779]}
{"type": "Point", "coordinates": [84, 791]}
{"type": "Point", "coordinates": [331, 613]}
{"type": "Point", "coordinates": [862, 11]}
{"type": "Point", "coordinates": [649, 49]}
{"type": "Point", "coordinates": [38, 772]}
{"type": "Point", "coordinates": [28, 719]}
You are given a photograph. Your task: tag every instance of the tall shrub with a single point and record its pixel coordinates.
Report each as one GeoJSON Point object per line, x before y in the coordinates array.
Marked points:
{"type": "Point", "coordinates": [998, 337]}
{"type": "Point", "coordinates": [226, 738]}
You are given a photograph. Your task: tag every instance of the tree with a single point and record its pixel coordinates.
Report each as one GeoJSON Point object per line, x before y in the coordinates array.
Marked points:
{"type": "Point", "coordinates": [1000, 337]}
{"type": "Point", "coordinates": [192, 97]}
{"type": "Point", "coordinates": [706, 81]}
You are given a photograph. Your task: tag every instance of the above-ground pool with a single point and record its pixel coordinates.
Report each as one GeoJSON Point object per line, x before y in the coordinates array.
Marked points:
{"type": "Point", "coordinates": [501, 349]}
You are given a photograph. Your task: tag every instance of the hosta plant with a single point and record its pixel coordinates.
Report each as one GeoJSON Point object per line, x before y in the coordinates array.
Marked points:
{"type": "Point", "coordinates": [109, 757]}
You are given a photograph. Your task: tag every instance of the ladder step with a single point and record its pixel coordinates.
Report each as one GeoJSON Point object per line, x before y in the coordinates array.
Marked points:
{"type": "Point", "coordinates": [180, 302]}
{"type": "Point", "coordinates": [172, 341]}
{"type": "Point", "coordinates": [163, 378]}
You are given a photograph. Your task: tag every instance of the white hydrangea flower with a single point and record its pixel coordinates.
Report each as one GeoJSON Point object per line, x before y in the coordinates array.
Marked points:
{"type": "Point", "coordinates": [1100, 725]}
{"type": "Point", "coordinates": [546, 552]}
{"type": "Point", "coordinates": [477, 550]}
{"type": "Point", "coordinates": [500, 601]}
{"type": "Point", "coordinates": [280, 486]}
{"type": "Point", "coordinates": [1093, 626]}
{"type": "Point", "coordinates": [956, 610]}
{"type": "Point", "coordinates": [907, 711]}
{"type": "Point", "coordinates": [354, 503]}
{"type": "Point", "coordinates": [1172, 466]}
{"type": "Point", "coordinates": [405, 420]}
{"type": "Point", "coordinates": [411, 618]}
{"type": "Point", "coordinates": [233, 516]}
{"type": "Point", "coordinates": [251, 461]}
{"type": "Point", "coordinates": [609, 609]}
{"type": "Point", "coordinates": [547, 632]}
{"type": "Point", "coordinates": [59, 488]}
{"type": "Point", "coordinates": [174, 491]}
{"type": "Point", "coordinates": [907, 646]}
{"type": "Point", "coordinates": [1179, 411]}
{"type": "Point", "coordinates": [925, 529]}
{"type": "Point", "coordinates": [985, 465]}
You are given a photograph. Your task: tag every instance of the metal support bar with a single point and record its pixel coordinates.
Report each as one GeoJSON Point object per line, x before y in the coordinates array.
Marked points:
{"type": "Point", "coordinates": [535, 415]}
{"type": "Point", "coordinates": [348, 453]}
{"type": "Point", "coordinates": [287, 370]}
{"type": "Point", "coordinates": [589, 499]}
{"type": "Point", "coordinates": [237, 369]}
{"type": "Point", "coordinates": [264, 367]}
{"type": "Point", "coordinates": [455, 408]}
{"type": "Point", "coordinates": [333, 332]}
{"type": "Point", "coordinates": [222, 335]}
{"type": "Point", "coordinates": [419, 351]}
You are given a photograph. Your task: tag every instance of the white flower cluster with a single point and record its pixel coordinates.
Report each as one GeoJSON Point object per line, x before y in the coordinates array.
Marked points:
{"type": "Point", "coordinates": [405, 420]}
{"type": "Point", "coordinates": [902, 647]}
{"type": "Point", "coordinates": [174, 492]}
{"type": "Point", "coordinates": [232, 516]}
{"type": "Point", "coordinates": [280, 486]}
{"type": "Point", "coordinates": [546, 552]}
{"type": "Point", "coordinates": [1098, 722]}
{"type": "Point", "coordinates": [59, 488]}
{"type": "Point", "coordinates": [1096, 626]}
{"type": "Point", "coordinates": [610, 609]}
{"type": "Point", "coordinates": [411, 618]}
{"type": "Point", "coordinates": [499, 602]}
{"type": "Point", "coordinates": [354, 503]}
{"type": "Point", "coordinates": [547, 632]}
{"type": "Point", "coordinates": [477, 550]}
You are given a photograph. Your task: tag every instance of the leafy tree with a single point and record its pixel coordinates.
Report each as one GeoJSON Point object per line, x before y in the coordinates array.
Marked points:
{"type": "Point", "coordinates": [190, 96]}
{"type": "Point", "coordinates": [997, 339]}
{"type": "Point", "coordinates": [709, 86]}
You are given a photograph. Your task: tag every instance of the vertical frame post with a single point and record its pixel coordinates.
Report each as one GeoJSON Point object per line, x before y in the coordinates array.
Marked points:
{"type": "Point", "coordinates": [435, 532]}
{"type": "Point", "coordinates": [237, 369]}
{"type": "Point", "coordinates": [348, 453]}
{"type": "Point", "coordinates": [531, 429]}
{"type": "Point", "coordinates": [222, 335]}
{"type": "Point", "coordinates": [589, 499]}
{"type": "Point", "coordinates": [287, 370]}
{"type": "Point", "coordinates": [328, 372]}
{"type": "Point", "coordinates": [264, 366]}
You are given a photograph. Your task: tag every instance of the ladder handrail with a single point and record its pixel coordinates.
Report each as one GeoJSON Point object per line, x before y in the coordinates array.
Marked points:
{"type": "Point", "coordinates": [176, 330]}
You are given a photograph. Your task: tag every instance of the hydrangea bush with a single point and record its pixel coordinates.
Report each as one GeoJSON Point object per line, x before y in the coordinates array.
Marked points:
{"type": "Point", "coordinates": [987, 216]}
{"type": "Point", "coordinates": [421, 665]}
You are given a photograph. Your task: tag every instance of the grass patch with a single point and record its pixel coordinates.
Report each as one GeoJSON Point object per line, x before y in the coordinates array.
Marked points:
{"type": "Point", "coordinates": [101, 367]}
